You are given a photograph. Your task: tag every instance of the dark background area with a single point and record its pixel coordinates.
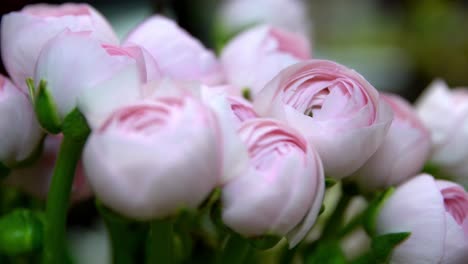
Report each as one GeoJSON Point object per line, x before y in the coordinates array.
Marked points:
{"type": "Point", "coordinates": [399, 45]}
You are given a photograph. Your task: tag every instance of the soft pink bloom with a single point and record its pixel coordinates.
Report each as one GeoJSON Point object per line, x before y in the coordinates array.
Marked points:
{"type": "Point", "coordinates": [153, 158]}
{"type": "Point", "coordinates": [445, 114]}
{"type": "Point", "coordinates": [436, 214]}
{"type": "Point", "coordinates": [280, 189]}
{"type": "Point", "coordinates": [403, 152]}
{"type": "Point", "coordinates": [24, 33]}
{"type": "Point", "coordinates": [337, 110]}
{"type": "Point", "coordinates": [19, 129]}
{"type": "Point", "coordinates": [74, 63]}
{"type": "Point", "coordinates": [255, 56]}
{"type": "Point", "coordinates": [179, 55]}
{"type": "Point", "coordinates": [35, 178]}
{"type": "Point", "coordinates": [291, 15]}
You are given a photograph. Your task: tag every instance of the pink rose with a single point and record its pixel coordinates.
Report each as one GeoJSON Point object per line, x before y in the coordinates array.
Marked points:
{"type": "Point", "coordinates": [35, 179]}
{"type": "Point", "coordinates": [179, 55]}
{"type": "Point", "coordinates": [280, 189]}
{"type": "Point", "coordinates": [445, 114]}
{"type": "Point", "coordinates": [150, 159]}
{"type": "Point", "coordinates": [336, 109]}
{"type": "Point", "coordinates": [436, 214]}
{"type": "Point", "coordinates": [255, 56]}
{"type": "Point", "coordinates": [403, 152]}
{"type": "Point", "coordinates": [73, 63]}
{"type": "Point", "coordinates": [24, 33]}
{"type": "Point", "coordinates": [19, 130]}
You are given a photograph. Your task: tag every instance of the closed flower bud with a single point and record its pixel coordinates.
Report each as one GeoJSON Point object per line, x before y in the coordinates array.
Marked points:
{"type": "Point", "coordinates": [280, 190]}
{"type": "Point", "coordinates": [74, 63]}
{"type": "Point", "coordinates": [403, 152]}
{"type": "Point", "coordinates": [334, 107]}
{"type": "Point", "coordinates": [179, 55]}
{"type": "Point", "coordinates": [257, 55]}
{"type": "Point", "coordinates": [445, 114]}
{"type": "Point", "coordinates": [436, 214]}
{"type": "Point", "coordinates": [149, 160]}
{"type": "Point", "coordinates": [19, 130]}
{"type": "Point", "coordinates": [24, 34]}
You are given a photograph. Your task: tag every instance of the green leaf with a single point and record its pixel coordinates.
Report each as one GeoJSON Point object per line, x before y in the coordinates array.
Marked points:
{"type": "Point", "coordinates": [372, 211]}
{"type": "Point", "coordinates": [75, 126]}
{"type": "Point", "coordinates": [382, 246]}
{"type": "Point", "coordinates": [21, 231]}
{"type": "Point", "coordinates": [46, 109]}
{"type": "Point", "coordinates": [328, 252]}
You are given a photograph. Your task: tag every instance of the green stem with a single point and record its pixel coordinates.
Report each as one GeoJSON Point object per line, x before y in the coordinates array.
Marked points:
{"type": "Point", "coordinates": [58, 200]}
{"type": "Point", "coordinates": [235, 250]}
{"type": "Point", "coordinates": [160, 249]}
{"type": "Point", "coordinates": [352, 225]}
{"type": "Point", "coordinates": [335, 221]}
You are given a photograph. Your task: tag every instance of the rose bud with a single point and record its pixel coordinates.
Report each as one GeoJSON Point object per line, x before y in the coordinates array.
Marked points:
{"type": "Point", "coordinates": [20, 132]}
{"type": "Point", "coordinates": [35, 178]}
{"type": "Point", "coordinates": [24, 33]}
{"type": "Point", "coordinates": [292, 15]}
{"type": "Point", "coordinates": [231, 111]}
{"type": "Point", "coordinates": [337, 110]}
{"type": "Point", "coordinates": [403, 152]}
{"type": "Point", "coordinates": [73, 63]}
{"type": "Point", "coordinates": [445, 114]}
{"type": "Point", "coordinates": [255, 56]}
{"type": "Point", "coordinates": [436, 214]}
{"type": "Point", "coordinates": [179, 55]}
{"type": "Point", "coordinates": [151, 159]}
{"type": "Point", "coordinates": [280, 190]}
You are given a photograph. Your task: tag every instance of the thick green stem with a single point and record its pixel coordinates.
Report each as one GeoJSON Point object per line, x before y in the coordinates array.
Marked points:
{"type": "Point", "coordinates": [160, 247]}
{"type": "Point", "coordinates": [235, 250]}
{"type": "Point", "coordinates": [335, 221]}
{"type": "Point", "coordinates": [58, 200]}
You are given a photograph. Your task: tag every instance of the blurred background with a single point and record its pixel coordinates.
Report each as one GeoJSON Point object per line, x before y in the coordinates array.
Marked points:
{"type": "Point", "coordinates": [398, 45]}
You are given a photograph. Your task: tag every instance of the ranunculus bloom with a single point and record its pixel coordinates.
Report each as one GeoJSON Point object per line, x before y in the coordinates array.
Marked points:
{"type": "Point", "coordinates": [232, 111]}
{"type": "Point", "coordinates": [255, 56]}
{"type": "Point", "coordinates": [35, 178]}
{"type": "Point", "coordinates": [403, 152]}
{"type": "Point", "coordinates": [73, 63]}
{"type": "Point", "coordinates": [24, 33]}
{"type": "Point", "coordinates": [288, 14]}
{"type": "Point", "coordinates": [445, 114]}
{"type": "Point", "coordinates": [150, 159]}
{"type": "Point", "coordinates": [280, 190]}
{"type": "Point", "coordinates": [336, 109]}
{"type": "Point", "coordinates": [436, 214]}
{"type": "Point", "coordinates": [179, 55]}
{"type": "Point", "coordinates": [19, 130]}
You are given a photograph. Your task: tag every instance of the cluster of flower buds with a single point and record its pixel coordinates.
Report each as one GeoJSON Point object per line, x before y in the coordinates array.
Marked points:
{"type": "Point", "coordinates": [170, 123]}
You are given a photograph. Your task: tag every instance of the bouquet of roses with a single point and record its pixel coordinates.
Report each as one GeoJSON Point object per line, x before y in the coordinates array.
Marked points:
{"type": "Point", "coordinates": [194, 158]}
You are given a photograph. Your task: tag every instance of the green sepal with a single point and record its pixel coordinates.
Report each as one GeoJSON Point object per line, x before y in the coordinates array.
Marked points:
{"type": "Point", "coordinates": [330, 182]}
{"type": "Point", "coordinates": [247, 93]}
{"type": "Point", "coordinates": [75, 126]}
{"type": "Point", "coordinates": [328, 252]}
{"type": "Point", "coordinates": [322, 209]}
{"type": "Point", "coordinates": [265, 242]}
{"type": "Point", "coordinates": [4, 171]}
{"type": "Point", "coordinates": [382, 246]}
{"type": "Point", "coordinates": [372, 211]}
{"type": "Point", "coordinates": [45, 108]}
{"type": "Point", "coordinates": [21, 231]}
